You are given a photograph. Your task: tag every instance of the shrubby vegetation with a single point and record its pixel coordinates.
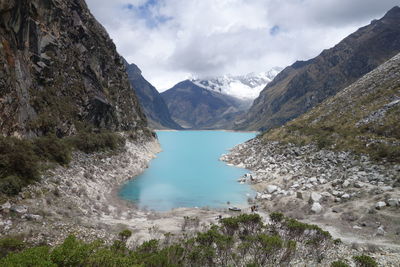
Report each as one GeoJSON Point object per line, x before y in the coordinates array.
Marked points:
{"type": "Point", "coordinates": [365, 261]}
{"type": "Point", "coordinates": [22, 161]}
{"type": "Point", "coordinates": [237, 241]}
{"type": "Point", "coordinates": [339, 264]}
{"type": "Point", "coordinates": [240, 241]}
{"type": "Point", "coordinates": [339, 129]}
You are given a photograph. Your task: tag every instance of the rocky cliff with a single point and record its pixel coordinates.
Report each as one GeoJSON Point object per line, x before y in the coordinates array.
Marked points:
{"type": "Point", "coordinates": [194, 107]}
{"type": "Point", "coordinates": [150, 100]}
{"type": "Point", "coordinates": [304, 84]}
{"type": "Point", "coordinates": [60, 72]}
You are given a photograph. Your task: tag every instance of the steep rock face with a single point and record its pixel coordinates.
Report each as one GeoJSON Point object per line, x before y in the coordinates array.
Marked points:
{"type": "Point", "coordinates": [60, 72]}
{"type": "Point", "coordinates": [301, 86]}
{"type": "Point", "coordinates": [194, 107]}
{"type": "Point", "coordinates": [151, 101]}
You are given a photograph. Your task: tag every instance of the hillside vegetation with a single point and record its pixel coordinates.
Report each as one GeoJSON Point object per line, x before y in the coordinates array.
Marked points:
{"type": "Point", "coordinates": [363, 118]}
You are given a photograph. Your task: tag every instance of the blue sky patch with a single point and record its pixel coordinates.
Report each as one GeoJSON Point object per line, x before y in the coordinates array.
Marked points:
{"type": "Point", "coordinates": [274, 30]}
{"type": "Point", "coordinates": [147, 12]}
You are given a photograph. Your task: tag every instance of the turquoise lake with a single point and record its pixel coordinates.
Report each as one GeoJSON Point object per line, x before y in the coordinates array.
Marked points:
{"type": "Point", "coordinates": [188, 173]}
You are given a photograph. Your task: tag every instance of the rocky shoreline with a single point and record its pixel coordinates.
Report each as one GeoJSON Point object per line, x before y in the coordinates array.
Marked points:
{"type": "Point", "coordinates": [354, 197]}
{"type": "Point", "coordinates": [73, 199]}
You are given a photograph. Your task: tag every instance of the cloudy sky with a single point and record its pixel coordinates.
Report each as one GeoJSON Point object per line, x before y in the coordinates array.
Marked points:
{"type": "Point", "coordinates": [171, 40]}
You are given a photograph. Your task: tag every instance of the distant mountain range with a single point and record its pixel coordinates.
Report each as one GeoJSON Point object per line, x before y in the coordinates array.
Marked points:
{"type": "Point", "coordinates": [244, 87]}
{"type": "Point", "coordinates": [198, 103]}
{"type": "Point", "coordinates": [214, 103]}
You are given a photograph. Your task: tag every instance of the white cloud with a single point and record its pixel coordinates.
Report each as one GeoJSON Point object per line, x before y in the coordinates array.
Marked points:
{"type": "Point", "coordinates": [172, 39]}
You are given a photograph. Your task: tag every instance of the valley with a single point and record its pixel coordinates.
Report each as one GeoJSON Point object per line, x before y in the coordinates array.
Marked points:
{"type": "Point", "coordinates": [297, 166]}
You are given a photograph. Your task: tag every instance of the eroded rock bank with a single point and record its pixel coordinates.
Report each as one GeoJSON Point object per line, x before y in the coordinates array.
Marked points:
{"type": "Point", "coordinates": [73, 199]}
{"type": "Point", "coordinates": [356, 198]}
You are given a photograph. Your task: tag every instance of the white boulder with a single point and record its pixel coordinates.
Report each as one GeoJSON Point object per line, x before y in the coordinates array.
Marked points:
{"type": "Point", "coordinates": [271, 188]}
{"type": "Point", "coordinates": [316, 208]}
{"type": "Point", "coordinates": [380, 205]}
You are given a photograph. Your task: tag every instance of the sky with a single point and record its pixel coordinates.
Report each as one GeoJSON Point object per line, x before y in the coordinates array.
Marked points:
{"type": "Point", "coordinates": [172, 40]}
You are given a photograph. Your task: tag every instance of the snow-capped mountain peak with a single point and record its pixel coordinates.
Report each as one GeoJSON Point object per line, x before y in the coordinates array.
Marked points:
{"type": "Point", "coordinates": [245, 87]}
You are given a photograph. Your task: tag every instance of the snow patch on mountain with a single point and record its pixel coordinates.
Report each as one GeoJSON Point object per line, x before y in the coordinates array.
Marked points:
{"type": "Point", "coordinates": [245, 87]}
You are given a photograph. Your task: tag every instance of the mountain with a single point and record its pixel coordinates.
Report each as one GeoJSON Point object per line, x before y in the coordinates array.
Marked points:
{"type": "Point", "coordinates": [194, 107]}
{"type": "Point", "coordinates": [153, 104]}
{"type": "Point", "coordinates": [60, 72]}
{"type": "Point", "coordinates": [364, 117]}
{"type": "Point", "coordinates": [304, 84]}
{"type": "Point", "coordinates": [246, 87]}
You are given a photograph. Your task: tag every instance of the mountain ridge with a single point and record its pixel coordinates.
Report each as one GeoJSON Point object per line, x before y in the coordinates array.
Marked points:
{"type": "Point", "coordinates": [304, 84]}
{"type": "Point", "coordinates": [152, 103]}
{"type": "Point", "coordinates": [194, 107]}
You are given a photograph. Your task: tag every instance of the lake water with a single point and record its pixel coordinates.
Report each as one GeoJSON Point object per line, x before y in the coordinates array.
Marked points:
{"type": "Point", "coordinates": [187, 173]}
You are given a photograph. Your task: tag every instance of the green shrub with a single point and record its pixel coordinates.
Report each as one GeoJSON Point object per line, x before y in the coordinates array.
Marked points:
{"type": "Point", "coordinates": [339, 264]}
{"type": "Point", "coordinates": [35, 257]}
{"type": "Point", "coordinates": [53, 149]}
{"type": "Point", "coordinates": [276, 217]}
{"type": "Point", "coordinates": [72, 252]}
{"type": "Point", "coordinates": [125, 234]}
{"type": "Point", "coordinates": [365, 261]}
{"type": "Point", "coordinates": [18, 158]}
{"type": "Point", "coordinates": [11, 185]}
{"type": "Point", "coordinates": [10, 244]}
{"type": "Point", "coordinates": [95, 142]}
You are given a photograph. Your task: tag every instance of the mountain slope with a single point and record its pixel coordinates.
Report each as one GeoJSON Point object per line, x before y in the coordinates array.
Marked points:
{"type": "Point", "coordinates": [194, 107]}
{"type": "Point", "coordinates": [60, 72]}
{"type": "Point", "coordinates": [306, 83]}
{"type": "Point", "coordinates": [150, 100]}
{"type": "Point", "coordinates": [364, 117]}
{"type": "Point", "coordinates": [246, 87]}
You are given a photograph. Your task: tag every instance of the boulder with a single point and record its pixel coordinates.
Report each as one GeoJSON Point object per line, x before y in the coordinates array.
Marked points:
{"type": "Point", "coordinates": [19, 209]}
{"type": "Point", "coordinates": [379, 205]}
{"type": "Point", "coordinates": [393, 202]}
{"type": "Point", "coordinates": [266, 196]}
{"type": "Point", "coordinates": [346, 183]}
{"type": "Point", "coordinates": [316, 208]}
{"type": "Point", "coordinates": [271, 188]}
{"type": "Point", "coordinates": [315, 197]}
{"type": "Point", "coordinates": [358, 185]}
{"type": "Point", "coordinates": [386, 188]}
{"type": "Point", "coordinates": [346, 196]}
{"type": "Point", "coordinates": [337, 193]}
{"type": "Point", "coordinates": [380, 231]}
{"type": "Point", "coordinates": [6, 206]}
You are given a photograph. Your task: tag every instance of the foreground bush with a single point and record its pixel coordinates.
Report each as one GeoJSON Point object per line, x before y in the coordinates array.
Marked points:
{"type": "Point", "coordinates": [238, 241]}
